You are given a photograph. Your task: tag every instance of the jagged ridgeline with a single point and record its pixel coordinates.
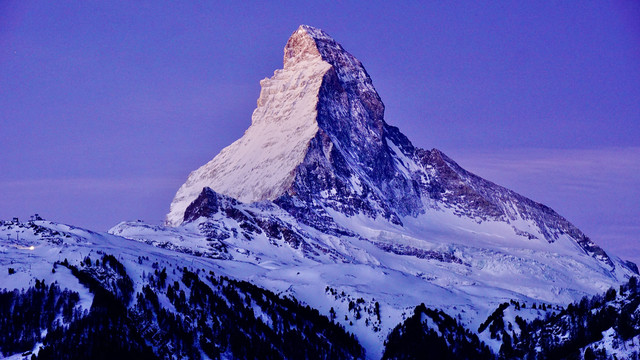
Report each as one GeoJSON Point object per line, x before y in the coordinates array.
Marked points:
{"type": "Point", "coordinates": [322, 191]}
{"type": "Point", "coordinates": [318, 143]}
{"type": "Point", "coordinates": [320, 169]}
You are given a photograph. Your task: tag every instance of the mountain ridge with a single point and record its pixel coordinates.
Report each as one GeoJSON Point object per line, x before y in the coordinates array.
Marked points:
{"type": "Point", "coordinates": [106, 292]}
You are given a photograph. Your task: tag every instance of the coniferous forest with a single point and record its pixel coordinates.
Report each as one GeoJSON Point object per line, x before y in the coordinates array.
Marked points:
{"type": "Point", "coordinates": [575, 332]}
{"type": "Point", "coordinates": [206, 314]}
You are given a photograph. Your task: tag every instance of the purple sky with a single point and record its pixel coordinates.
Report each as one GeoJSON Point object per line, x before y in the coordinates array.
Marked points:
{"type": "Point", "coordinates": [105, 107]}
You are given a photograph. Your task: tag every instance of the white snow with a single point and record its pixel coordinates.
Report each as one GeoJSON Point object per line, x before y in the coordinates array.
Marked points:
{"type": "Point", "coordinates": [615, 347]}
{"type": "Point", "coordinates": [495, 268]}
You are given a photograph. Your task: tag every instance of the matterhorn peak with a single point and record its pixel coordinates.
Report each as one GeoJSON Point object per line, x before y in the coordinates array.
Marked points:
{"type": "Point", "coordinates": [261, 165]}
{"type": "Point", "coordinates": [318, 118]}
{"type": "Point", "coordinates": [319, 148]}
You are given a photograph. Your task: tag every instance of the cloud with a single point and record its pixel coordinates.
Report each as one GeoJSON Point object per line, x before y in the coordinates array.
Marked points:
{"type": "Point", "coordinates": [596, 189]}
{"type": "Point", "coordinates": [81, 184]}
{"type": "Point", "coordinates": [558, 169]}
{"type": "Point", "coordinates": [93, 203]}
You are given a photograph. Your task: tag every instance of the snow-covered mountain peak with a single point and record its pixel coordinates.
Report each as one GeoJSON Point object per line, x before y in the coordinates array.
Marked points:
{"type": "Point", "coordinates": [322, 95]}
{"type": "Point", "coordinates": [319, 151]}
{"type": "Point", "coordinates": [312, 44]}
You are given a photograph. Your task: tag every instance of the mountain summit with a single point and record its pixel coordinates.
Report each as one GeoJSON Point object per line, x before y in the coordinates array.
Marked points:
{"type": "Point", "coordinates": [323, 97]}
{"type": "Point", "coordinates": [320, 192]}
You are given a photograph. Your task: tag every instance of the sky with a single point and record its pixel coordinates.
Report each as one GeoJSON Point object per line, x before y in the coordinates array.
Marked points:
{"type": "Point", "coordinates": [106, 106]}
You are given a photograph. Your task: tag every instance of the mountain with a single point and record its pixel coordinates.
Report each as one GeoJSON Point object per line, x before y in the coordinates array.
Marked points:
{"type": "Point", "coordinates": [322, 226]}
{"type": "Point", "coordinates": [321, 185]}
{"type": "Point", "coordinates": [70, 293]}
{"type": "Point", "coordinates": [318, 143]}
{"type": "Point", "coordinates": [319, 148]}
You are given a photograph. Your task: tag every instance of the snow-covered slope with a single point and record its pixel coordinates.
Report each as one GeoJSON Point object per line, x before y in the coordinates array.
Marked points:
{"type": "Point", "coordinates": [358, 282]}
{"type": "Point", "coordinates": [135, 296]}
{"type": "Point", "coordinates": [449, 262]}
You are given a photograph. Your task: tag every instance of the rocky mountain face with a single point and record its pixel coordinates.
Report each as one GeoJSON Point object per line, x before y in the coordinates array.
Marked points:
{"type": "Point", "coordinates": [318, 143]}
